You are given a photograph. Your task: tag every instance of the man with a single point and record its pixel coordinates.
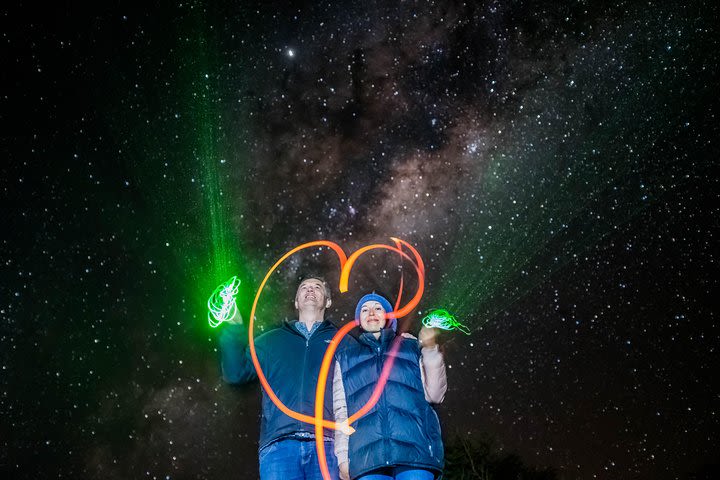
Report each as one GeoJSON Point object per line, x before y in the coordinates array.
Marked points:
{"type": "Point", "coordinates": [290, 357]}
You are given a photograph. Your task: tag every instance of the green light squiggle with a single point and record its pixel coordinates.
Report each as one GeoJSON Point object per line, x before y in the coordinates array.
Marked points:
{"type": "Point", "coordinates": [221, 304]}
{"type": "Point", "coordinates": [441, 318]}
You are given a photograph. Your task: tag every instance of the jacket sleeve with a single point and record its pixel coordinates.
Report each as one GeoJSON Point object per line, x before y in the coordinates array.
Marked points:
{"type": "Point", "coordinates": [433, 374]}
{"type": "Point", "coordinates": [341, 415]}
{"type": "Point", "coordinates": [235, 360]}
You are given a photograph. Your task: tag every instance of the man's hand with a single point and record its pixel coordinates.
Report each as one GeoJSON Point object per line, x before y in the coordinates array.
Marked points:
{"type": "Point", "coordinates": [345, 471]}
{"type": "Point", "coordinates": [236, 319]}
{"type": "Point", "coordinates": [428, 337]}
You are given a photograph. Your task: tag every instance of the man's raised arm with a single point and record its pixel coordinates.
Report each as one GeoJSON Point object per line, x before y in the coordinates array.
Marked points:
{"type": "Point", "coordinates": [235, 360]}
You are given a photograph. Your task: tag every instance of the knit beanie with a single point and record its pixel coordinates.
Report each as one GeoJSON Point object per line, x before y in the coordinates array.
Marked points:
{"type": "Point", "coordinates": [374, 297]}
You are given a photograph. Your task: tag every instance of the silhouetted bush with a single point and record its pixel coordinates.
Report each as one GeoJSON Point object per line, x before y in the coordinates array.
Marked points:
{"type": "Point", "coordinates": [474, 459]}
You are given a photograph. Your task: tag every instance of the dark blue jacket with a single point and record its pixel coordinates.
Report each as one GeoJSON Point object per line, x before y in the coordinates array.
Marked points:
{"type": "Point", "coordinates": [291, 365]}
{"type": "Point", "coordinates": [402, 429]}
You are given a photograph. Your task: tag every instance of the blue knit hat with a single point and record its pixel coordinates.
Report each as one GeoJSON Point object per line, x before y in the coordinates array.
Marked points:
{"type": "Point", "coordinates": [374, 297]}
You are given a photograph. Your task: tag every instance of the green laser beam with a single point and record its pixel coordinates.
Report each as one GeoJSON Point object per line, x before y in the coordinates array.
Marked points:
{"type": "Point", "coordinates": [542, 204]}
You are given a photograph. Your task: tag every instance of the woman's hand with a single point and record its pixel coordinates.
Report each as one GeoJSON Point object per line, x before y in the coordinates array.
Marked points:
{"type": "Point", "coordinates": [427, 337]}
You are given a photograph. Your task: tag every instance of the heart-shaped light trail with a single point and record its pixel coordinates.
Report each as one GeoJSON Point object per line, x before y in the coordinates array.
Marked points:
{"type": "Point", "coordinates": [346, 265]}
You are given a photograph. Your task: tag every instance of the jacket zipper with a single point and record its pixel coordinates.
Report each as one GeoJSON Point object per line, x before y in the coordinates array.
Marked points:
{"type": "Point", "coordinates": [302, 380]}
{"type": "Point", "coordinates": [381, 408]}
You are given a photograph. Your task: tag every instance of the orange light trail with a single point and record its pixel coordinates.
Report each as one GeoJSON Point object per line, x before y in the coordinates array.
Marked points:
{"type": "Point", "coordinates": [346, 265]}
{"type": "Point", "coordinates": [261, 376]}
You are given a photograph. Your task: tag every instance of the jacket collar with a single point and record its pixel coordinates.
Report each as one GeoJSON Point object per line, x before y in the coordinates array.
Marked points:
{"type": "Point", "coordinates": [324, 325]}
{"type": "Point", "coordinates": [386, 336]}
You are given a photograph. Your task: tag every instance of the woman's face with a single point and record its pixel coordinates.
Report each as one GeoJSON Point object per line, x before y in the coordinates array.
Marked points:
{"type": "Point", "coordinates": [372, 316]}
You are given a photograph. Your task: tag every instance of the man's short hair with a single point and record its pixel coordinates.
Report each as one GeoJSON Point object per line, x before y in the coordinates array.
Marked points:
{"type": "Point", "coordinates": [308, 276]}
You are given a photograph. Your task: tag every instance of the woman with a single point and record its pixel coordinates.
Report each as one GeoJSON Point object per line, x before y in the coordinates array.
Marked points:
{"type": "Point", "coordinates": [399, 438]}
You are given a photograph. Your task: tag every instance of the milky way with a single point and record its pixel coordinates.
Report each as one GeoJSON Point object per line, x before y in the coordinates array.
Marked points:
{"type": "Point", "coordinates": [555, 165]}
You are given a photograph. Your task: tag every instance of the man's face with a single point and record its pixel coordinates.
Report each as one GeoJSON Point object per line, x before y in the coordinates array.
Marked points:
{"type": "Point", "coordinates": [311, 293]}
{"type": "Point", "coordinates": [372, 316]}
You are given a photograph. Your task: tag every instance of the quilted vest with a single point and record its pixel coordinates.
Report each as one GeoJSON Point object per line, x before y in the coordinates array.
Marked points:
{"type": "Point", "coordinates": [402, 429]}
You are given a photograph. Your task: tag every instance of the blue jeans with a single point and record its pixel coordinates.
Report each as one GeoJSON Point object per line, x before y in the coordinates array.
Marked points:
{"type": "Point", "coordinates": [400, 473]}
{"type": "Point", "coordinates": [295, 460]}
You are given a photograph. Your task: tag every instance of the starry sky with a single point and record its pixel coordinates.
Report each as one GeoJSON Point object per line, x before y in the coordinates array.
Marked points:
{"type": "Point", "coordinates": [555, 163]}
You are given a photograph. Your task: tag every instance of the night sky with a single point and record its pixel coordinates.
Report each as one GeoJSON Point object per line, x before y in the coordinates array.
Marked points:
{"type": "Point", "coordinates": [555, 163]}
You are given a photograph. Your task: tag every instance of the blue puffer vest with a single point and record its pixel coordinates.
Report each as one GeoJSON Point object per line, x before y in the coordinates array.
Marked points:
{"type": "Point", "coordinates": [402, 429]}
